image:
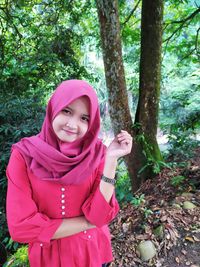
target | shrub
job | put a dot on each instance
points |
(19, 258)
(19, 117)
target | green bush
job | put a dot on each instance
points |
(123, 188)
(19, 258)
(123, 185)
(19, 117)
(182, 143)
(180, 111)
(177, 180)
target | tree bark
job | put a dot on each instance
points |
(149, 84)
(115, 79)
(117, 93)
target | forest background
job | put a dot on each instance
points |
(45, 42)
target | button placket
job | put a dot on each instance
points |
(63, 201)
(88, 236)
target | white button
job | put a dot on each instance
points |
(41, 245)
(63, 212)
(62, 195)
(63, 207)
(62, 201)
(85, 232)
(89, 236)
(63, 189)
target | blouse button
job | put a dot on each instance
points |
(89, 236)
(41, 244)
(62, 201)
(85, 232)
(62, 189)
(62, 195)
(63, 212)
(63, 207)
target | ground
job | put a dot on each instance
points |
(161, 207)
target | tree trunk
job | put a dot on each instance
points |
(117, 93)
(115, 79)
(149, 86)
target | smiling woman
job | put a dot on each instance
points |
(72, 122)
(58, 176)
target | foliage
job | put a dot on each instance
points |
(180, 110)
(37, 47)
(182, 144)
(181, 30)
(44, 42)
(19, 258)
(177, 180)
(123, 188)
(137, 200)
(155, 164)
(123, 185)
(180, 101)
(10, 244)
(19, 117)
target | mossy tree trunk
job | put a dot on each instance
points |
(149, 84)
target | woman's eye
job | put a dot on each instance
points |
(67, 111)
(85, 119)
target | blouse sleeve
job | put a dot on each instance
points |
(25, 223)
(96, 209)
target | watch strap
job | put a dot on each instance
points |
(108, 180)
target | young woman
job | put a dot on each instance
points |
(60, 194)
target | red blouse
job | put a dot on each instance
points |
(35, 209)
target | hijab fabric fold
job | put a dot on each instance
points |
(65, 162)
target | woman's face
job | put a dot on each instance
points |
(72, 122)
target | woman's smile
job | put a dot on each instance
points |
(69, 132)
(72, 122)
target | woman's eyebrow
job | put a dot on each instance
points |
(86, 115)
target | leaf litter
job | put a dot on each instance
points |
(177, 238)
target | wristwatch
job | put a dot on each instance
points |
(108, 180)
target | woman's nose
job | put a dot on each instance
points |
(72, 123)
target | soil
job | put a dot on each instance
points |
(161, 205)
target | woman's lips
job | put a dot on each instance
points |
(69, 132)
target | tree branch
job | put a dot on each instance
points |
(182, 22)
(191, 16)
(132, 12)
(9, 20)
(194, 49)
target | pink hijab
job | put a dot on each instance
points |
(67, 163)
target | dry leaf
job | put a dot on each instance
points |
(126, 227)
(189, 238)
(195, 238)
(177, 260)
(183, 251)
(163, 218)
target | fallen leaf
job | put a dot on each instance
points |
(126, 227)
(177, 259)
(189, 238)
(163, 218)
(195, 238)
(183, 251)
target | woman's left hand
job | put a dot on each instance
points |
(120, 146)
